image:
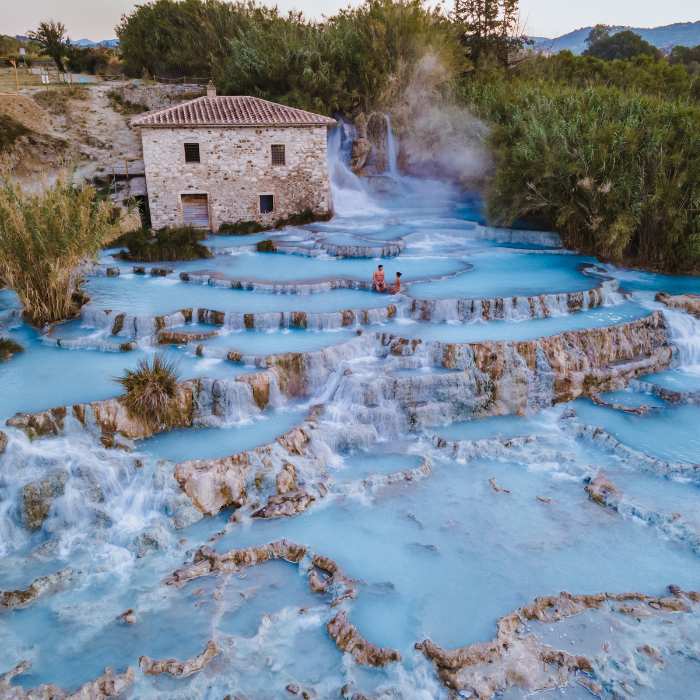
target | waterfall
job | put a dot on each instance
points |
(391, 150)
(685, 335)
(350, 195)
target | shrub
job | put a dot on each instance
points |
(124, 106)
(167, 245)
(57, 100)
(44, 238)
(10, 131)
(149, 390)
(301, 219)
(8, 348)
(242, 228)
(266, 246)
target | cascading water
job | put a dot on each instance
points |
(685, 334)
(350, 195)
(392, 153)
(371, 450)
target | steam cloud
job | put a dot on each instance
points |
(438, 137)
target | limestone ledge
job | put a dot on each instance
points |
(552, 369)
(324, 577)
(690, 303)
(672, 525)
(108, 685)
(518, 659)
(435, 310)
(109, 416)
(292, 374)
(669, 395)
(515, 307)
(176, 668)
(639, 459)
(368, 248)
(43, 585)
(315, 286)
(214, 484)
(310, 286)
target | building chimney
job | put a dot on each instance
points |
(211, 89)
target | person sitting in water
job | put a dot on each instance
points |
(396, 288)
(378, 284)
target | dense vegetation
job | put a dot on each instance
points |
(44, 238)
(351, 61)
(619, 45)
(166, 245)
(616, 172)
(602, 147)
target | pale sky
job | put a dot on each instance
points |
(95, 19)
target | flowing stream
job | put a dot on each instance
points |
(438, 455)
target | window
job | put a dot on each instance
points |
(191, 153)
(278, 154)
(267, 204)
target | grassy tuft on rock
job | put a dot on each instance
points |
(8, 348)
(166, 245)
(150, 389)
(266, 246)
(10, 131)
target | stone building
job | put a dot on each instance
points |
(216, 160)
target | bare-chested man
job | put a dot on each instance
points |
(378, 284)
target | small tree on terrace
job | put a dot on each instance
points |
(51, 36)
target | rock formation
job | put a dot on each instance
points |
(108, 685)
(690, 303)
(602, 491)
(517, 658)
(38, 496)
(179, 669)
(348, 639)
(43, 585)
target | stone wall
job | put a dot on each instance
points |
(235, 169)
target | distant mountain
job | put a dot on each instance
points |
(88, 43)
(664, 38)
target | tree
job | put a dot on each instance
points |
(598, 33)
(51, 37)
(622, 45)
(489, 28)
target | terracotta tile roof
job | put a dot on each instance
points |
(230, 111)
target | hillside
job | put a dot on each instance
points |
(664, 38)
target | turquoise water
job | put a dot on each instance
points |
(213, 443)
(511, 274)
(162, 295)
(494, 518)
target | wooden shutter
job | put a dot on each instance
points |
(195, 210)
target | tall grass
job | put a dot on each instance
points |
(150, 389)
(617, 173)
(44, 238)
